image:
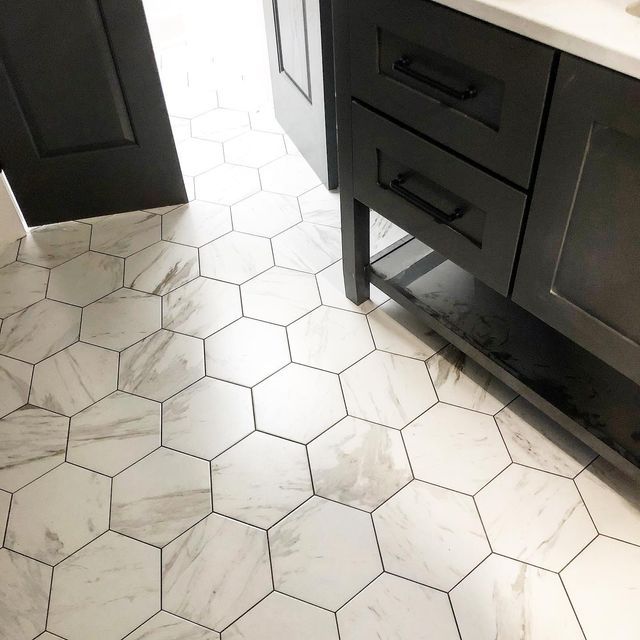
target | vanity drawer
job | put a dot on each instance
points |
(471, 86)
(458, 210)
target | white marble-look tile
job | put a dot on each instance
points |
(86, 278)
(504, 598)
(123, 234)
(245, 94)
(40, 330)
(536, 441)
(535, 517)
(431, 535)
(330, 339)
(160, 497)
(5, 501)
(265, 214)
(389, 389)
(278, 616)
(307, 247)
(180, 127)
(246, 351)
(227, 184)
(395, 330)
(8, 252)
(189, 187)
(298, 403)
(321, 206)
(113, 433)
(290, 175)
(196, 223)
(207, 418)
(280, 295)
(58, 513)
(324, 553)
(236, 257)
(215, 572)
(105, 590)
(32, 441)
(260, 480)
(254, 148)
(121, 319)
(201, 307)
(197, 156)
(15, 379)
(461, 381)
(160, 211)
(74, 378)
(164, 626)
(20, 286)
(455, 448)
(24, 596)
(161, 365)
(161, 267)
(383, 233)
(613, 500)
(264, 119)
(396, 609)
(189, 102)
(51, 245)
(220, 125)
(359, 463)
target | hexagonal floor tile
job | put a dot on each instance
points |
(207, 418)
(120, 319)
(383, 233)
(431, 535)
(290, 175)
(389, 389)
(359, 463)
(196, 223)
(164, 626)
(220, 125)
(236, 257)
(264, 119)
(5, 501)
(161, 267)
(246, 488)
(461, 381)
(324, 553)
(161, 365)
(536, 441)
(455, 448)
(113, 433)
(520, 496)
(86, 278)
(280, 295)
(189, 102)
(197, 156)
(254, 148)
(265, 214)
(330, 339)
(74, 378)
(392, 607)
(298, 403)
(32, 441)
(307, 247)
(54, 244)
(321, 206)
(215, 572)
(227, 184)
(8, 252)
(105, 590)
(57, 514)
(123, 234)
(20, 286)
(279, 616)
(246, 351)
(503, 598)
(160, 497)
(201, 307)
(15, 379)
(40, 330)
(24, 595)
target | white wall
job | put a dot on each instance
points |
(11, 223)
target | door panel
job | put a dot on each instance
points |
(301, 62)
(84, 125)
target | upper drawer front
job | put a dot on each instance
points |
(458, 210)
(471, 86)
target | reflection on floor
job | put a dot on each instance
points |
(199, 435)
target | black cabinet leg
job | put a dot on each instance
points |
(355, 248)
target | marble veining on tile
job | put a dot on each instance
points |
(196, 223)
(165, 626)
(20, 286)
(123, 234)
(307, 247)
(52, 245)
(15, 379)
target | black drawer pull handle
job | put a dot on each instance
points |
(403, 65)
(440, 216)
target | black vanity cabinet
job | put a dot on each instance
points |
(579, 270)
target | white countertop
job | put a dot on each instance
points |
(598, 30)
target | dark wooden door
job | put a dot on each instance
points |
(83, 124)
(579, 269)
(301, 60)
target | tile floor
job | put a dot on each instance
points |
(201, 438)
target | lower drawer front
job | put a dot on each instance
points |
(458, 210)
